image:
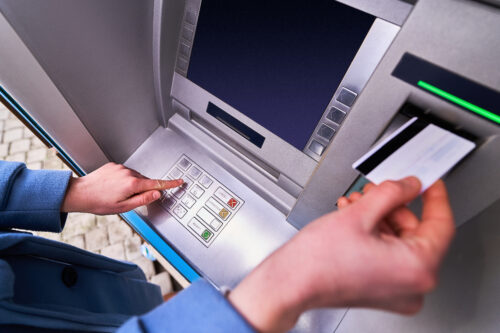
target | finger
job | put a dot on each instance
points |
(355, 196)
(403, 221)
(385, 198)
(146, 184)
(343, 202)
(141, 199)
(368, 187)
(437, 224)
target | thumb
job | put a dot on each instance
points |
(381, 200)
(141, 199)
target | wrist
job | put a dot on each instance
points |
(73, 200)
(270, 298)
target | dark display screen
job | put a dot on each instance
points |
(277, 62)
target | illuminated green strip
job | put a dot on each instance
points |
(469, 106)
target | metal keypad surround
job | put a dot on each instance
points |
(203, 205)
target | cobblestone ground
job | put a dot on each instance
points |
(107, 235)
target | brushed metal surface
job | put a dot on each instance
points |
(394, 11)
(253, 233)
(24, 79)
(376, 43)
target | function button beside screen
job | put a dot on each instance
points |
(184, 164)
(188, 34)
(188, 201)
(346, 97)
(227, 198)
(194, 172)
(326, 132)
(197, 191)
(218, 209)
(179, 211)
(175, 174)
(316, 147)
(336, 115)
(191, 17)
(205, 181)
(200, 229)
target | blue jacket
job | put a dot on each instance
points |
(48, 286)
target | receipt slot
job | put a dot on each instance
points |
(264, 124)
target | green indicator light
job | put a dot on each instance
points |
(469, 106)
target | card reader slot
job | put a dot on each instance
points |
(410, 110)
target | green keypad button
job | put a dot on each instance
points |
(206, 234)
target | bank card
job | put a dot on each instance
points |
(417, 148)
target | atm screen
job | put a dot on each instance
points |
(277, 62)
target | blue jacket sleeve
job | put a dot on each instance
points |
(199, 308)
(31, 199)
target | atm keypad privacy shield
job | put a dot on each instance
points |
(202, 204)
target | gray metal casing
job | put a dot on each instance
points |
(109, 88)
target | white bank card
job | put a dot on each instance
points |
(418, 149)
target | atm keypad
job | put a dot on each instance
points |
(202, 204)
(197, 191)
(205, 181)
(194, 172)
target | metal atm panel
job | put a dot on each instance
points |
(151, 102)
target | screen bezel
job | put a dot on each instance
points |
(275, 153)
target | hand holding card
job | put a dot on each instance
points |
(418, 149)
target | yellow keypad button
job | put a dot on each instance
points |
(224, 213)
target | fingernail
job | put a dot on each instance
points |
(156, 195)
(412, 181)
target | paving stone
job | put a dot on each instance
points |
(2, 125)
(78, 241)
(146, 265)
(118, 231)
(36, 155)
(19, 146)
(133, 247)
(4, 113)
(104, 220)
(12, 135)
(115, 251)
(4, 149)
(96, 239)
(27, 133)
(34, 165)
(164, 281)
(37, 143)
(19, 157)
(13, 122)
(53, 164)
(77, 224)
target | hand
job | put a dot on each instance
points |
(113, 189)
(346, 259)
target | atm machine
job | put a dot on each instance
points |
(262, 107)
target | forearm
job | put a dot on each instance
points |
(31, 199)
(199, 308)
